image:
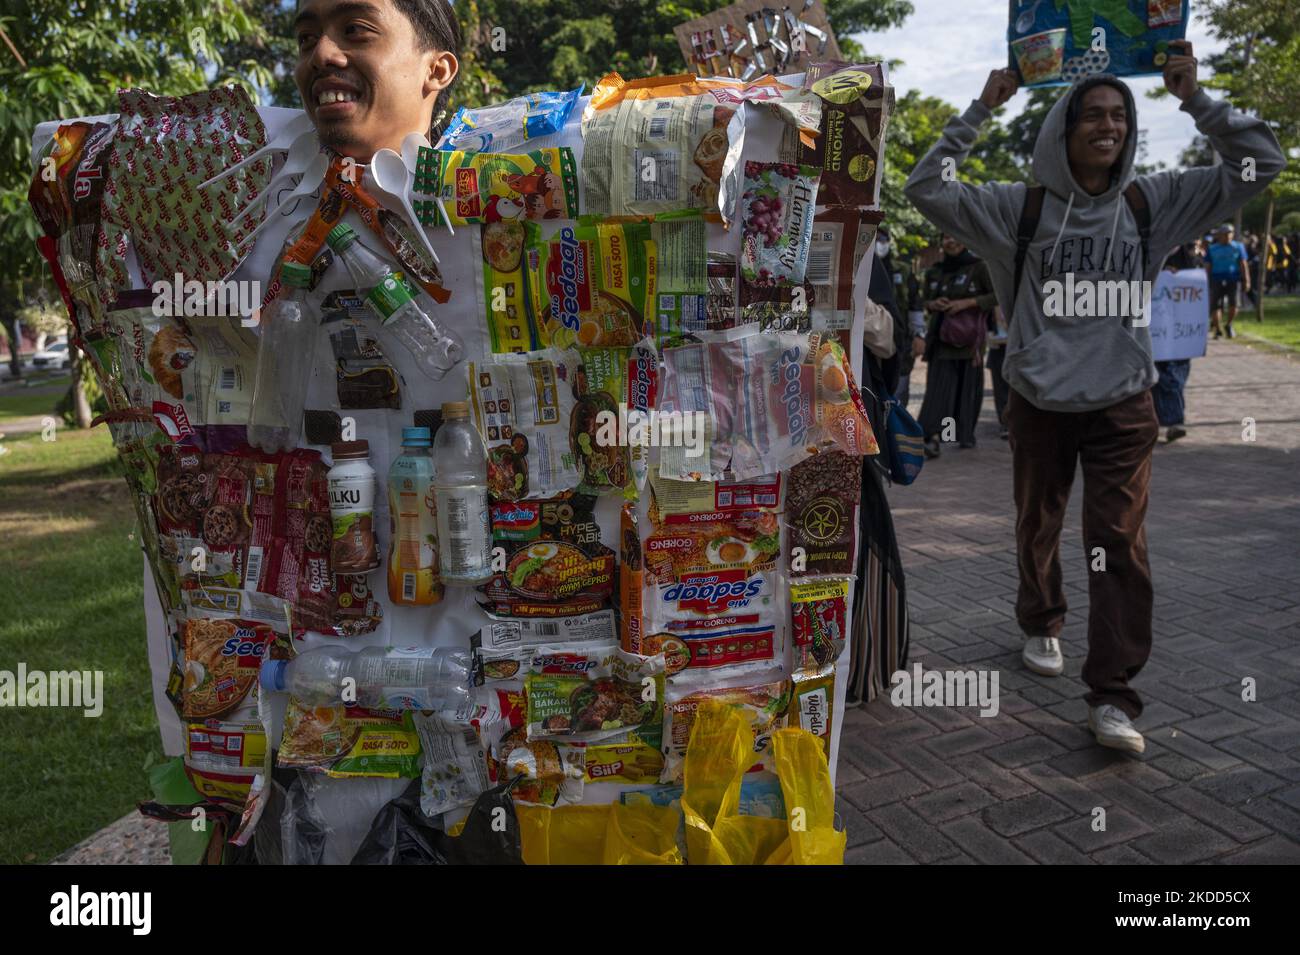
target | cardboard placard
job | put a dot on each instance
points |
(724, 42)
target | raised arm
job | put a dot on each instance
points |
(1186, 203)
(983, 218)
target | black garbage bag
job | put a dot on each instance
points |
(403, 835)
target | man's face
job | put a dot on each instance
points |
(1223, 236)
(1097, 140)
(363, 78)
(951, 246)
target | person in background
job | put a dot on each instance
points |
(954, 379)
(1081, 390)
(909, 301)
(997, 351)
(1252, 261)
(1167, 392)
(1293, 268)
(1226, 264)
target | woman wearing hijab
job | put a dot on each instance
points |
(954, 380)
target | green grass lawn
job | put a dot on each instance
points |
(71, 566)
(22, 402)
(1281, 323)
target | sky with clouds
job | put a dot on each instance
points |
(949, 46)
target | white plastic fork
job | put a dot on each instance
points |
(312, 177)
(286, 139)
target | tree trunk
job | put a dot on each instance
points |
(80, 404)
(1263, 259)
(10, 322)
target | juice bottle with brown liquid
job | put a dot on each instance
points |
(413, 565)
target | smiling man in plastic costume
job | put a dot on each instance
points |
(1081, 383)
(372, 71)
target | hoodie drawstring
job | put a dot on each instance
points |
(1114, 225)
(1061, 231)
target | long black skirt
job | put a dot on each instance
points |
(954, 388)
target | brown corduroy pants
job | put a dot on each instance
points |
(1114, 446)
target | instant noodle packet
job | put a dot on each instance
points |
(505, 297)
(765, 704)
(599, 388)
(593, 285)
(496, 187)
(552, 771)
(225, 722)
(594, 695)
(523, 406)
(342, 741)
(555, 564)
(768, 401)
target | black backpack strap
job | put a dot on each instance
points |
(1137, 203)
(1030, 213)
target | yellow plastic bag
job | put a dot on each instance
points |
(599, 835)
(721, 749)
(805, 777)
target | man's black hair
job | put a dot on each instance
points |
(436, 28)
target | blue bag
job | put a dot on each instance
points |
(906, 443)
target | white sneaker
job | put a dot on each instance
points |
(1043, 656)
(1113, 728)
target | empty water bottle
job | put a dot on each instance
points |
(285, 356)
(383, 678)
(435, 349)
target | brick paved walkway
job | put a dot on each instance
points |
(1220, 780)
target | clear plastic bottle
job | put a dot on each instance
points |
(460, 486)
(284, 362)
(413, 571)
(435, 349)
(385, 678)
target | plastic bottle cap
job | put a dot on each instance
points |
(416, 437)
(296, 274)
(271, 675)
(348, 450)
(340, 237)
(455, 409)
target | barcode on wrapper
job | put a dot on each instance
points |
(227, 379)
(408, 586)
(819, 265)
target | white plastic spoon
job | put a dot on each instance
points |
(311, 179)
(286, 139)
(1026, 19)
(393, 180)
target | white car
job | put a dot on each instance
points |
(53, 356)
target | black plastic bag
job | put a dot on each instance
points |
(403, 835)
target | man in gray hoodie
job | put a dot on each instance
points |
(1078, 354)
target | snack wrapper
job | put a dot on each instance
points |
(856, 104)
(659, 145)
(164, 147)
(509, 125)
(819, 611)
(812, 704)
(821, 513)
(523, 405)
(496, 187)
(552, 771)
(776, 222)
